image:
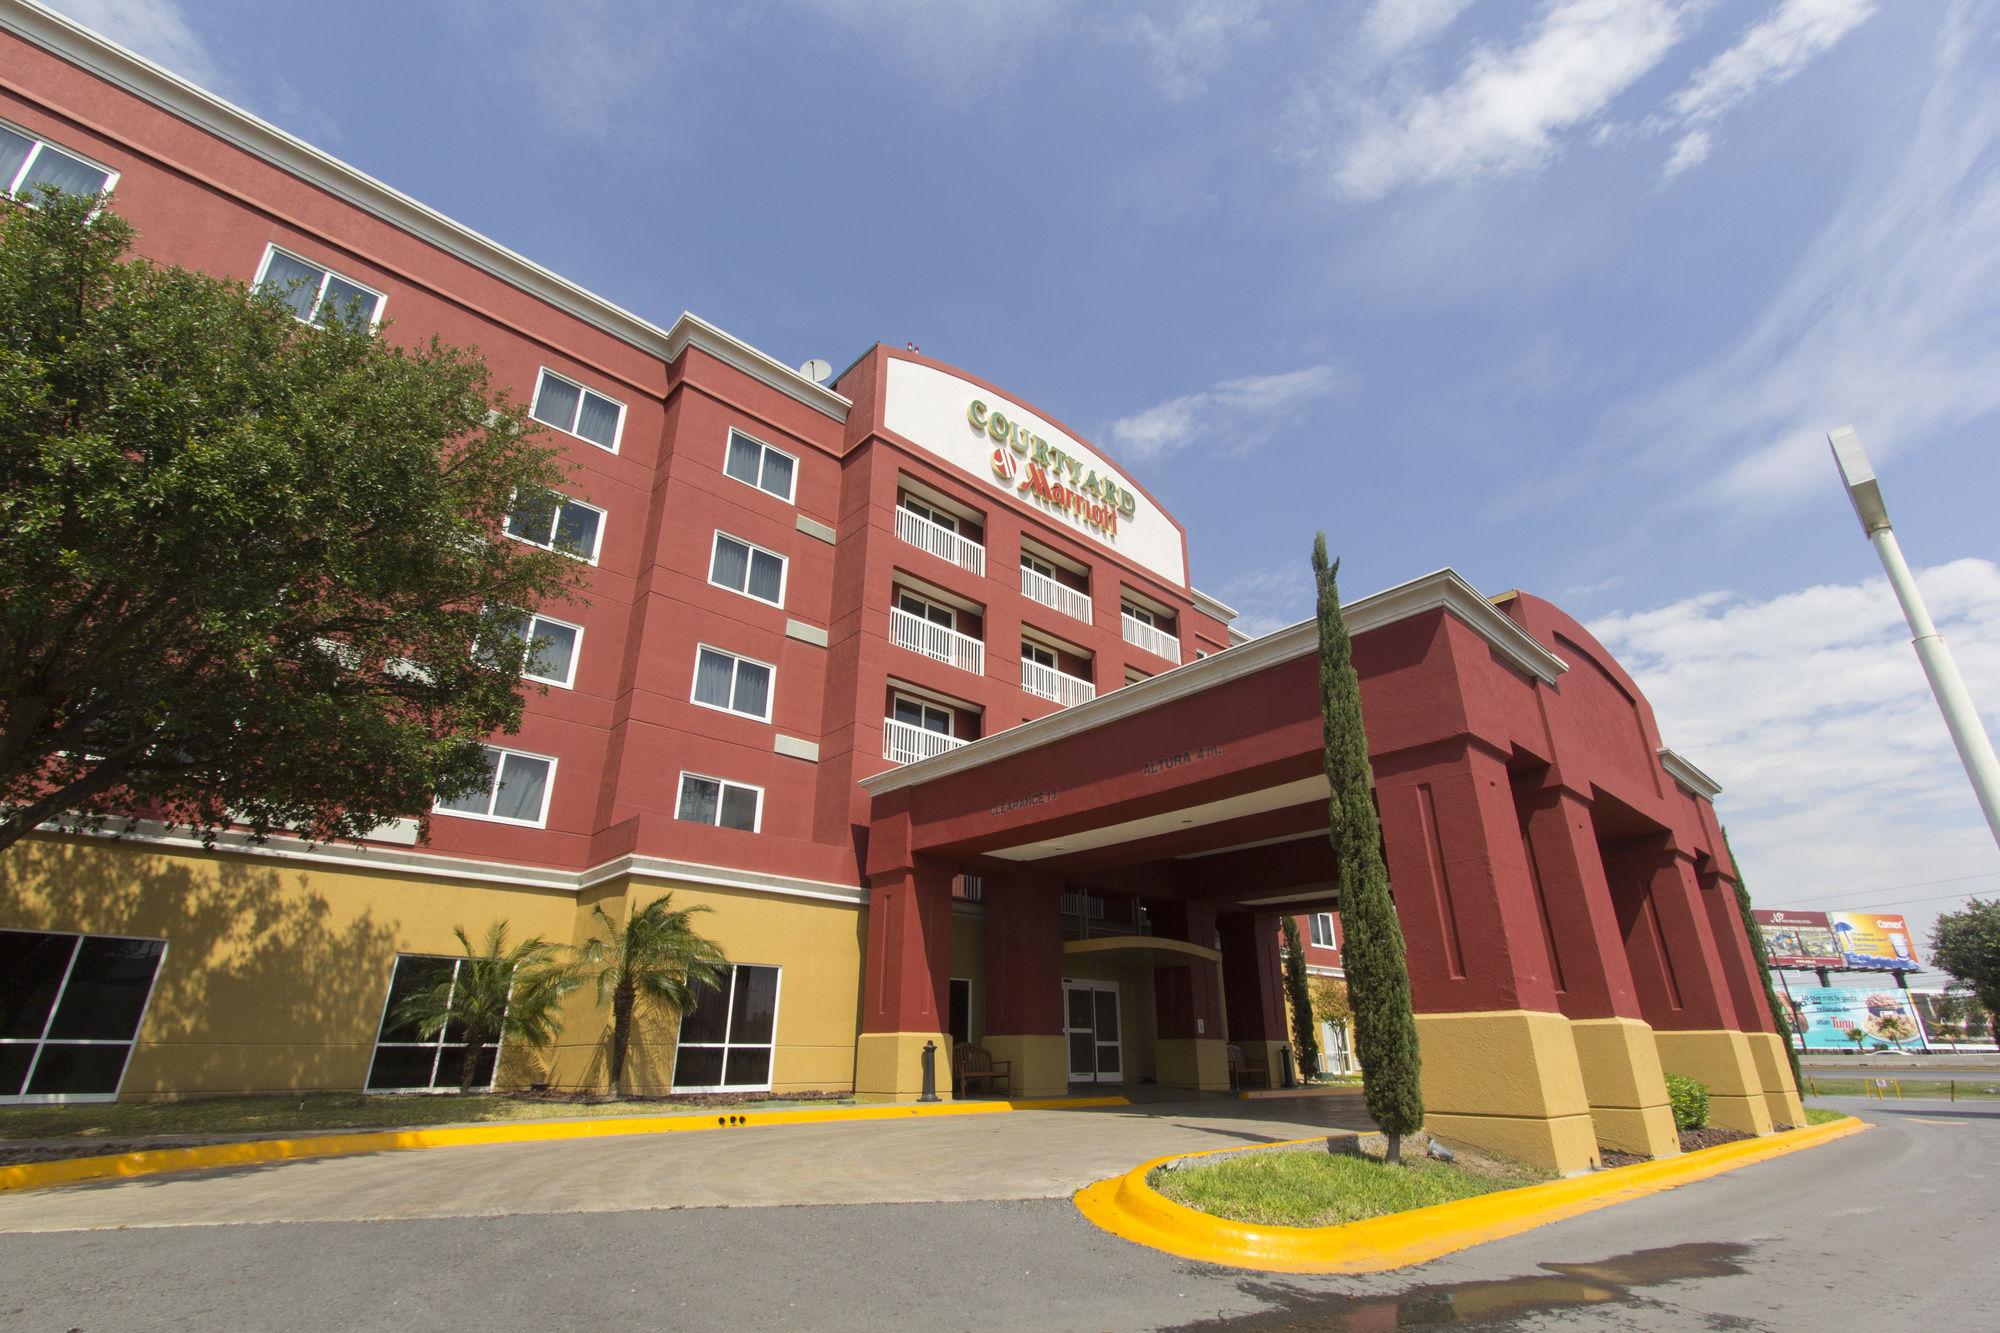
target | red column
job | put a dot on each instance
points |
(1732, 944)
(1253, 978)
(909, 949)
(1023, 957)
(1592, 975)
(1676, 967)
(1464, 894)
(1187, 1001)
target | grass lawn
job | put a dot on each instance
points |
(1319, 1189)
(1983, 1085)
(1824, 1115)
(309, 1113)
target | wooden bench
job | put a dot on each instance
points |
(1241, 1068)
(975, 1064)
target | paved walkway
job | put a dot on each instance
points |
(1016, 1155)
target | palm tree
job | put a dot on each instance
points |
(499, 994)
(657, 956)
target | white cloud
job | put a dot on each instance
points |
(1811, 709)
(1233, 417)
(1398, 25)
(1768, 53)
(961, 50)
(1270, 599)
(1185, 47)
(157, 29)
(1505, 113)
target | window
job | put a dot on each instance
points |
(733, 684)
(917, 713)
(404, 1060)
(27, 164)
(1322, 930)
(960, 1024)
(516, 790)
(1142, 615)
(316, 294)
(557, 523)
(552, 643)
(925, 609)
(581, 412)
(750, 570)
(757, 464)
(70, 1007)
(727, 1035)
(1034, 566)
(723, 804)
(945, 520)
(1034, 652)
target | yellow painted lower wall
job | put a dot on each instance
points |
(276, 973)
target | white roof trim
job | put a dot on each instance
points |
(1213, 606)
(170, 92)
(1444, 589)
(1690, 777)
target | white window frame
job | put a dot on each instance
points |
(680, 792)
(729, 443)
(1035, 564)
(770, 695)
(42, 1042)
(548, 793)
(575, 656)
(37, 143)
(924, 705)
(924, 509)
(1144, 615)
(326, 274)
(436, 1047)
(930, 602)
(1034, 652)
(555, 522)
(617, 431)
(726, 1045)
(784, 569)
(1332, 940)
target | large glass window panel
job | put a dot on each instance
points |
(767, 575)
(71, 175)
(700, 799)
(107, 990)
(778, 474)
(698, 1067)
(755, 1005)
(413, 975)
(78, 1071)
(347, 301)
(598, 421)
(14, 150)
(556, 402)
(739, 808)
(708, 1020)
(294, 280)
(31, 972)
(753, 688)
(524, 783)
(15, 1057)
(747, 1067)
(401, 1067)
(713, 674)
(576, 530)
(480, 799)
(731, 566)
(554, 653)
(745, 457)
(534, 517)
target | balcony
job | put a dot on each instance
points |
(1046, 682)
(936, 642)
(1056, 596)
(904, 743)
(1152, 639)
(940, 541)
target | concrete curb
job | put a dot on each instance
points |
(1130, 1209)
(40, 1175)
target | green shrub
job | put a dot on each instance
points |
(1690, 1101)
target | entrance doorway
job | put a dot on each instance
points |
(1090, 1023)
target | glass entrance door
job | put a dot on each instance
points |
(1090, 1024)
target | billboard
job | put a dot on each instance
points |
(1827, 1017)
(1798, 939)
(1874, 941)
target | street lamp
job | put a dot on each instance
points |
(1975, 749)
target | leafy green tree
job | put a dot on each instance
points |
(1779, 1013)
(244, 559)
(1298, 995)
(656, 957)
(1378, 976)
(1966, 943)
(501, 993)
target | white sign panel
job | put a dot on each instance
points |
(1006, 446)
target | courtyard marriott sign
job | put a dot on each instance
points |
(1040, 464)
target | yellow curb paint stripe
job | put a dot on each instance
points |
(37, 1175)
(1128, 1208)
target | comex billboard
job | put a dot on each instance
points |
(1842, 941)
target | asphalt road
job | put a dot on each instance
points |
(1888, 1229)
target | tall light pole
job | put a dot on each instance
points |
(1975, 749)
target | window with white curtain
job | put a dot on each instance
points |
(733, 684)
(724, 804)
(557, 523)
(552, 644)
(751, 570)
(516, 790)
(755, 463)
(315, 293)
(1322, 930)
(29, 163)
(571, 408)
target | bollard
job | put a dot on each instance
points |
(1954, 1089)
(930, 1072)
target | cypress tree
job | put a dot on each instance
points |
(1780, 1014)
(1305, 1033)
(1378, 978)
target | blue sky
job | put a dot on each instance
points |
(1565, 295)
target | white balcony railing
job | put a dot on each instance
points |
(940, 541)
(1037, 587)
(935, 641)
(1152, 639)
(1048, 683)
(905, 743)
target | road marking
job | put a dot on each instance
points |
(1922, 1121)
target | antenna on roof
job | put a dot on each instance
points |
(816, 370)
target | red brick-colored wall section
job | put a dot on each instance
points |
(1592, 973)
(1023, 956)
(1187, 1000)
(907, 979)
(1253, 977)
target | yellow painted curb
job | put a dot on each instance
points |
(37, 1175)
(1128, 1208)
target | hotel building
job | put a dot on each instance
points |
(908, 684)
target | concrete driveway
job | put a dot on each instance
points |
(1016, 1155)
